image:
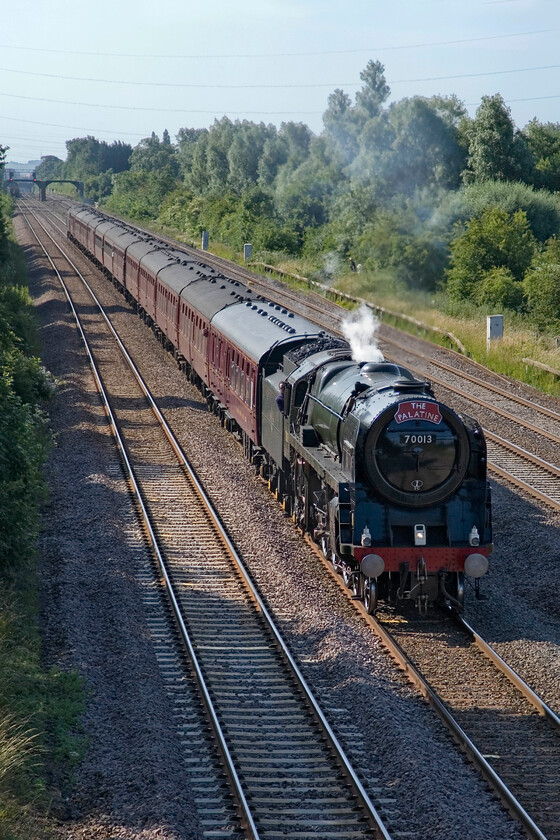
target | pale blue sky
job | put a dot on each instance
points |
(122, 69)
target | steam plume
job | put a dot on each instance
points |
(359, 330)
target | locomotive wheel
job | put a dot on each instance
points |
(347, 575)
(459, 587)
(356, 581)
(325, 546)
(370, 595)
(335, 561)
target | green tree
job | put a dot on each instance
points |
(274, 156)
(244, 154)
(83, 158)
(496, 239)
(541, 207)
(50, 167)
(376, 91)
(115, 156)
(187, 140)
(496, 151)
(425, 149)
(341, 127)
(196, 178)
(140, 195)
(389, 242)
(542, 287)
(499, 289)
(99, 187)
(23, 434)
(153, 155)
(543, 141)
(220, 139)
(87, 156)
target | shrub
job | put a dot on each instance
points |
(542, 288)
(499, 289)
(495, 240)
(541, 207)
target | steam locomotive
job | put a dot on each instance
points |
(387, 480)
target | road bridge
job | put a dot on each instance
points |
(43, 184)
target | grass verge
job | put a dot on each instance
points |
(39, 713)
(39, 707)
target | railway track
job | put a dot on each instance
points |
(533, 475)
(510, 785)
(506, 730)
(286, 770)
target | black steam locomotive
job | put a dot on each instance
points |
(389, 482)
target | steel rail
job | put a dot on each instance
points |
(461, 738)
(543, 465)
(542, 708)
(507, 798)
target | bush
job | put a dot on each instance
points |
(499, 289)
(541, 207)
(416, 260)
(542, 288)
(495, 240)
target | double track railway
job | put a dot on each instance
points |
(512, 740)
(286, 769)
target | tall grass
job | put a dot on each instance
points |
(468, 323)
(18, 746)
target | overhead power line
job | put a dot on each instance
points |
(159, 110)
(72, 127)
(424, 45)
(276, 86)
(213, 111)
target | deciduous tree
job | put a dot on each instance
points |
(496, 239)
(496, 151)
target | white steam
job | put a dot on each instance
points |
(331, 266)
(359, 330)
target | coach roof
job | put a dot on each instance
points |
(257, 326)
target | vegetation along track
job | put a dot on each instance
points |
(528, 458)
(506, 730)
(287, 772)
